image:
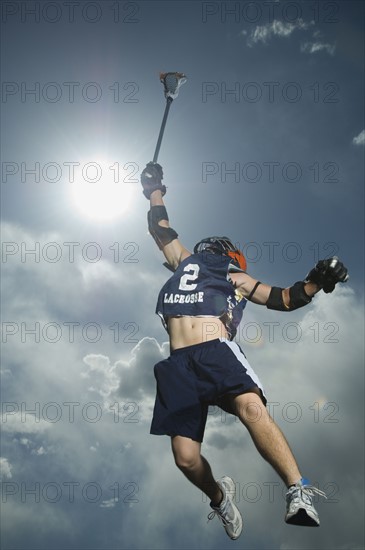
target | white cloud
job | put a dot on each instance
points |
(133, 379)
(360, 139)
(23, 422)
(5, 469)
(94, 448)
(263, 33)
(314, 47)
(33, 445)
(109, 503)
(100, 272)
(81, 283)
(40, 451)
(112, 452)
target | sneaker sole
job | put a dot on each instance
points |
(302, 518)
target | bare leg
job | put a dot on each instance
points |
(195, 467)
(267, 436)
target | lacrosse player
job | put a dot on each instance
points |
(201, 306)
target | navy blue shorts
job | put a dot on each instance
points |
(195, 377)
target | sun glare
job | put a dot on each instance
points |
(98, 192)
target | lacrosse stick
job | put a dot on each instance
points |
(171, 83)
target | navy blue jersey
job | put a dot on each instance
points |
(200, 287)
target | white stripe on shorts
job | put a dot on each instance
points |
(242, 359)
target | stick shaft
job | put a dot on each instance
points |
(162, 129)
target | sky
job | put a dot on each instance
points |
(264, 144)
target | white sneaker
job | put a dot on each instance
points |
(299, 506)
(227, 511)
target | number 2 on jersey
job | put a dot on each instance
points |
(191, 275)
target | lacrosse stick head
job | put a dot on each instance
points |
(171, 83)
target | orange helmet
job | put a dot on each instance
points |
(222, 245)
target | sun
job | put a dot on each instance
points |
(99, 192)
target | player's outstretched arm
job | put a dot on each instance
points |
(165, 237)
(325, 275)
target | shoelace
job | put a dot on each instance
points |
(307, 490)
(219, 513)
(212, 515)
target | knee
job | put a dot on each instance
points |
(250, 409)
(186, 459)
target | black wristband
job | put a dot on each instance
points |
(253, 290)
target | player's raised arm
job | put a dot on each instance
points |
(165, 237)
(325, 275)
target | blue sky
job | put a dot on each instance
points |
(265, 144)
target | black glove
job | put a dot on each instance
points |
(328, 273)
(151, 179)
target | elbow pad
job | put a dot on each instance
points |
(161, 235)
(298, 298)
(275, 299)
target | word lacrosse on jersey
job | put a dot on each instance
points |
(199, 287)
